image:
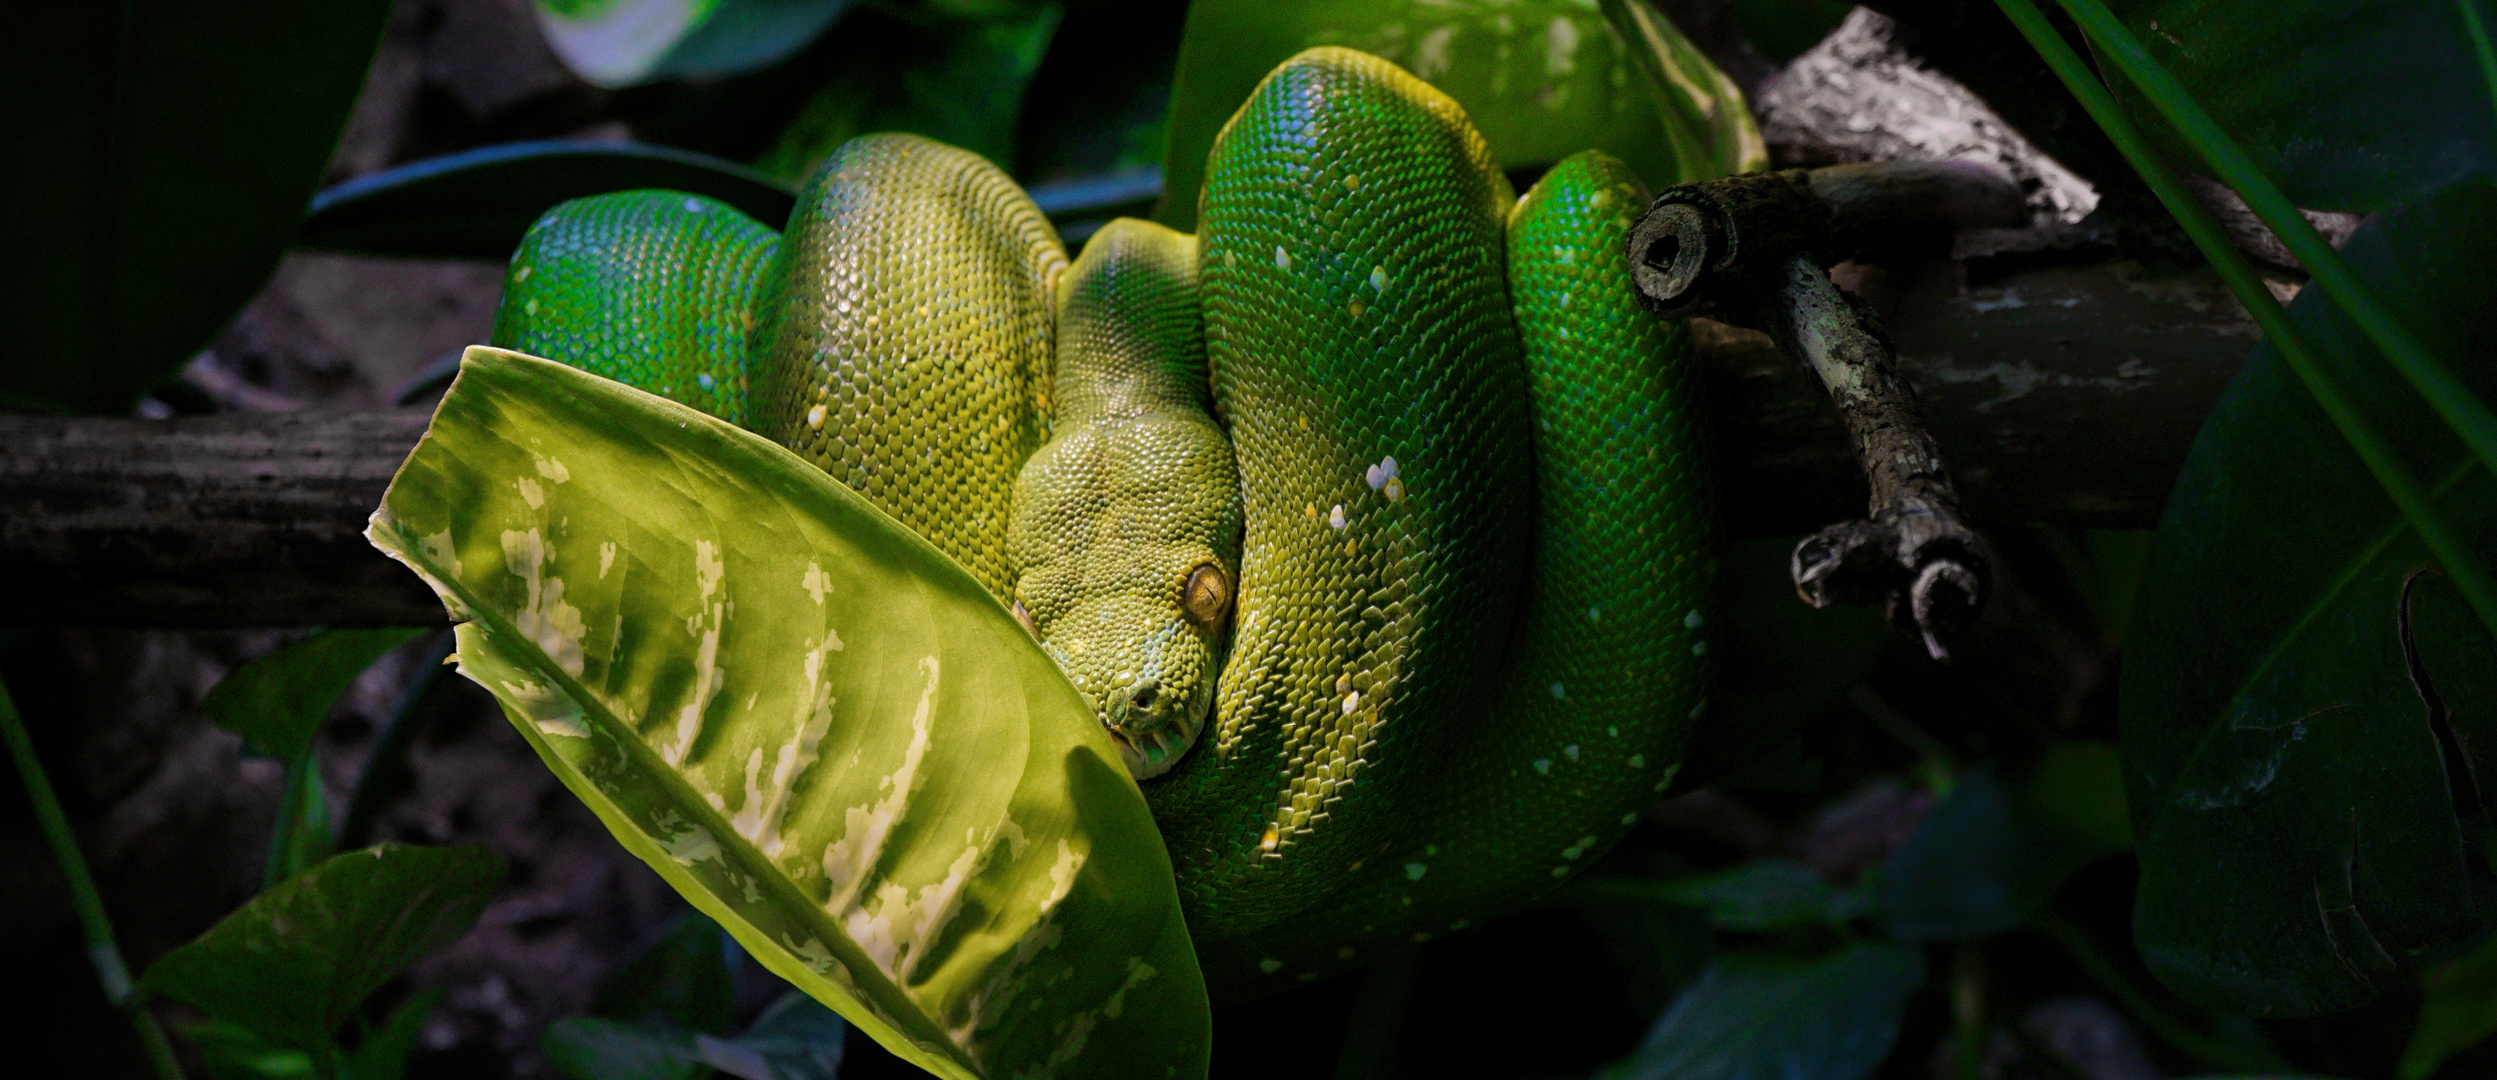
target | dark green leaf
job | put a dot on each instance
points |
(294, 963)
(1785, 29)
(1964, 873)
(1769, 894)
(1101, 100)
(684, 979)
(2074, 798)
(2355, 105)
(593, 1048)
(477, 204)
(1775, 1018)
(1656, 944)
(816, 727)
(1993, 852)
(2104, 567)
(157, 161)
(618, 43)
(955, 80)
(1783, 663)
(300, 837)
(277, 702)
(2460, 1011)
(795, 1039)
(1706, 121)
(384, 1052)
(2288, 669)
(1542, 79)
(234, 1052)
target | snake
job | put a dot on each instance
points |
(1373, 518)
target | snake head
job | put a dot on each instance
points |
(1146, 659)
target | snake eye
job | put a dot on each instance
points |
(1207, 595)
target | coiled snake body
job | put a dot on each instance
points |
(1373, 518)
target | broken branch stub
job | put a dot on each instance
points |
(1750, 250)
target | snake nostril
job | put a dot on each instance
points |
(1141, 695)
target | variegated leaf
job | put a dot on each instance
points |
(816, 727)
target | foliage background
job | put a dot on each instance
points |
(175, 813)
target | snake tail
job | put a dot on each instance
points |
(654, 289)
(1126, 528)
(904, 338)
(1604, 683)
(1358, 327)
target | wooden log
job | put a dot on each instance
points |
(2058, 393)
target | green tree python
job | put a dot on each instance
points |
(1373, 518)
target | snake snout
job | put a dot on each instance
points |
(1131, 707)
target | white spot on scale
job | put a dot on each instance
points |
(1559, 692)
(1378, 475)
(531, 492)
(1692, 620)
(1283, 259)
(1699, 648)
(815, 416)
(1378, 278)
(553, 470)
(1415, 870)
(693, 205)
(1335, 517)
(1594, 615)
(1543, 765)
(530, 308)
(1638, 761)
(705, 381)
(1352, 701)
(1570, 751)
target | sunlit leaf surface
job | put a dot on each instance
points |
(820, 730)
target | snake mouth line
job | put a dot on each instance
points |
(1151, 753)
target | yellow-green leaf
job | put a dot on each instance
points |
(1542, 79)
(817, 728)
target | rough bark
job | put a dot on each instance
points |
(2058, 393)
